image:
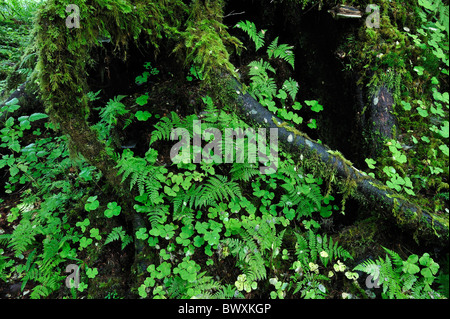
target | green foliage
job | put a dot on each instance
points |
(400, 279)
(140, 79)
(314, 247)
(117, 233)
(198, 216)
(206, 40)
(45, 236)
(256, 36)
(142, 172)
(263, 85)
(282, 51)
(309, 276)
(19, 9)
(113, 210)
(258, 244)
(109, 116)
(415, 161)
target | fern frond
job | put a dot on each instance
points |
(313, 250)
(40, 291)
(23, 236)
(117, 233)
(256, 269)
(141, 172)
(370, 267)
(164, 127)
(291, 86)
(396, 259)
(306, 198)
(260, 68)
(250, 29)
(282, 51)
(217, 189)
(244, 171)
(227, 292)
(301, 247)
(5, 238)
(263, 88)
(155, 213)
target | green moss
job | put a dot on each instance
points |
(361, 238)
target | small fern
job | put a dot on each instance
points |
(309, 247)
(291, 87)
(141, 172)
(304, 198)
(109, 116)
(258, 244)
(23, 236)
(262, 86)
(164, 127)
(400, 279)
(250, 259)
(250, 28)
(282, 51)
(227, 292)
(217, 189)
(117, 233)
(244, 171)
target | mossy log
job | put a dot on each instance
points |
(423, 225)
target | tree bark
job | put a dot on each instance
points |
(422, 224)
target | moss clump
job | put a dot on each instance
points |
(362, 238)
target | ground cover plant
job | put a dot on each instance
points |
(130, 170)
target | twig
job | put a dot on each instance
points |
(233, 14)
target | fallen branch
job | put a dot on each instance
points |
(407, 215)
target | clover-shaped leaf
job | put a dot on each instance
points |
(153, 241)
(84, 242)
(431, 267)
(198, 241)
(239, 285)
(315, 106)
(340, 266)
(112, 210)
(143, 115)
(142, 233)
(410, 265)
(91, 204)
(165, 269)
(95, 233)
(91, 272)
(370, 163)
(141, 100)
(351, 275)
(83, 224)
(313, 266)
(142, 291)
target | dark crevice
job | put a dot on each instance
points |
(319, 42)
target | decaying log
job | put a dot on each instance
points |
(423, 225)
